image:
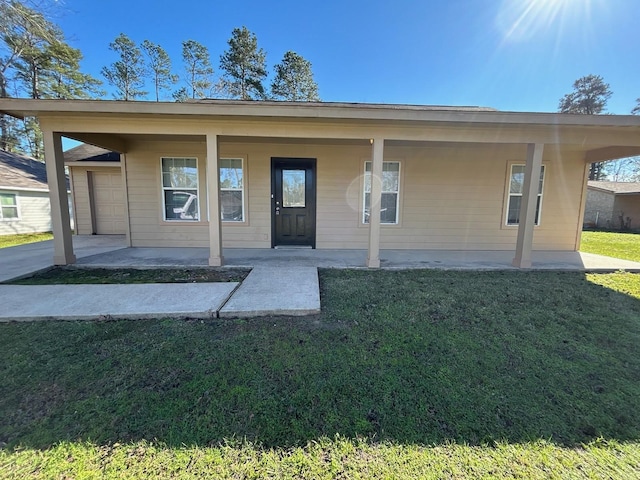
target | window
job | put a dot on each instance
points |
(293, 188)
(390, 192)
(231, 190)
(180, 189)
(516, 183)
(8, 206)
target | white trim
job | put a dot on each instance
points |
(397, 192)
(243, 189)
(163, 189)
(540, 195)
(25, 189)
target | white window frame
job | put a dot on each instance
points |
(244, 182)
(16, 206)
(364, 191)
(539, 198)
(178, 189)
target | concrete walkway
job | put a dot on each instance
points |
(282, 282)
(276, 291)
(100, 302)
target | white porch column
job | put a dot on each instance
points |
(532, 169)
(60, 224)
(213, 199)
(373, 257)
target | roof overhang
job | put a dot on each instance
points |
(598, 137)
(21, 108)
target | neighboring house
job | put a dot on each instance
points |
(24, 195)
(96, 190)
(614, 205)
(241, 174)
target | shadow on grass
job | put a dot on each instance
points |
(416, 357)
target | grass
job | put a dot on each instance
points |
(13, 240)
(618, 245)
(405, 374)
(74, 275)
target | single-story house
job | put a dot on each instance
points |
(226, 173)
(96, 190)
(24, 195)
(614, 205)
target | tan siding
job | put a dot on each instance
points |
(111, 216)
(450, 198)
(81, 200)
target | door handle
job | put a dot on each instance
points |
(277, 210)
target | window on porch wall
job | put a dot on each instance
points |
(180, 189)
(516, 187)
(231, 189)
(390, 192)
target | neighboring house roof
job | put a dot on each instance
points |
(86, 152)
(618, 188)
(19, 172)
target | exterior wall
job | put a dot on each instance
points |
(34, 213)
(627, 206)
(145, 196)
(599, 209)
(82, 197)
(81, 202)
(451, 197)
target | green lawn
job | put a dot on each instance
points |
(618, 245)
(13, 240)
(405, 374)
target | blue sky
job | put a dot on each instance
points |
(516, 55)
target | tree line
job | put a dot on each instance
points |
(36, 61)
(243, 66)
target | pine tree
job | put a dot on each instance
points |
(244, 65)
(589, 97)
(294, 80)
(127, 75)
(36, 57)
(197, 64)
(159, 66)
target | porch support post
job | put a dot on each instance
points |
(213, 202)
(524, 244)
(373, 257)
(60, 221)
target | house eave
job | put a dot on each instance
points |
(308, 110)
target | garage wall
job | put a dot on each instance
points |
(105, 202)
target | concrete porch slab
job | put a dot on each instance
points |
(23, 260)
(96, 302)
(142, 257)
(275, 291)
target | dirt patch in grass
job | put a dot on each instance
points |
(75, 275)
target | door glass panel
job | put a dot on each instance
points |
(293, 188)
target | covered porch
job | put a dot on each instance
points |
(454, 171)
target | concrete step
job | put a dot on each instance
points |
(275, 291)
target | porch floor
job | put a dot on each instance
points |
(440, 259)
